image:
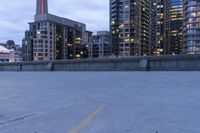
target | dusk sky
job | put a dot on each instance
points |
(15, 15)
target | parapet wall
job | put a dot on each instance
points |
(154, 63)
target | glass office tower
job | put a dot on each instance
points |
(191, 26)
(176, 26)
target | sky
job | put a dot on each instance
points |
(15, 15)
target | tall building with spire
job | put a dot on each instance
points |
(54, 38)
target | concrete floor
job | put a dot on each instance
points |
(94, 102)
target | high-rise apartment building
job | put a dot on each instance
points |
(130, 27)
(191, 39)
(160, 27)
(176, 26)
(53, 38)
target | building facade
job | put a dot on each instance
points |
(160, 27)
(176, 26)
(15, 51)
(53, 38)
(191, 34)
(27, 46)
(130, 27)
(101, 45)
(6, 55)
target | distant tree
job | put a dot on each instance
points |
(11, 44)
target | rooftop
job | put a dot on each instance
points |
(57, 19)
(93, 102)
(3, 49)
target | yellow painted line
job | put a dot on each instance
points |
(88, 119)
(6, 98)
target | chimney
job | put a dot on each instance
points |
(42, 7)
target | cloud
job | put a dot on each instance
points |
(15, 15)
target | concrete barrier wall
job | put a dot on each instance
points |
(156, 63)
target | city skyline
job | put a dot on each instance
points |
(14, 19)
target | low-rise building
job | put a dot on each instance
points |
(14, 49)
(101, 45)
(6, 55)
(18, 56)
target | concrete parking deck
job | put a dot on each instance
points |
(94, 102)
